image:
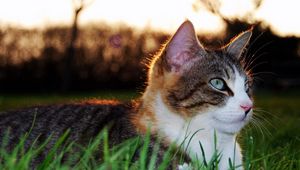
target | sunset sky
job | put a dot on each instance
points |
(281, 16)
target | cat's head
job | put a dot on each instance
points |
(193, 80)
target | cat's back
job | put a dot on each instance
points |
(83, 120)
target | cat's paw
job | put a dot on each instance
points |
(184, 166)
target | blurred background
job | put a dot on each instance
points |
(63, 46)
(56, 51)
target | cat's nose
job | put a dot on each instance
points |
(247, 107)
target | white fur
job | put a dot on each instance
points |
(225, 122)
(185, 166)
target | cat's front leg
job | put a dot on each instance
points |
(233, 155)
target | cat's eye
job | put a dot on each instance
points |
(219, 84)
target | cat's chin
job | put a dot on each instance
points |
(232, 127)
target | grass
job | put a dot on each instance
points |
(272, 141)
(15, 101)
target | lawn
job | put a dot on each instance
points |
(15, 101)
(272, 141)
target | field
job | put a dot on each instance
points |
(271, 141)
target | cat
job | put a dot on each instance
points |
(193, 93)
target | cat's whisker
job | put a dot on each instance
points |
(258, 79)
(263, 72)
(253, 60)
(253, 125)
(258, 64)
(259, 125)
(248, 62)
(256, 125)
(263, 113)
(266, 112)
(253, 42)
(264, 120)
(260, 48)
(253, 57)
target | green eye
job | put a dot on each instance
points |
(219, 84)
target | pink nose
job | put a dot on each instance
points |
(246, 107)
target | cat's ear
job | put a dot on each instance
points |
(181, 49)
(238, 44)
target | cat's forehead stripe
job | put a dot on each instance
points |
(227, 74)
